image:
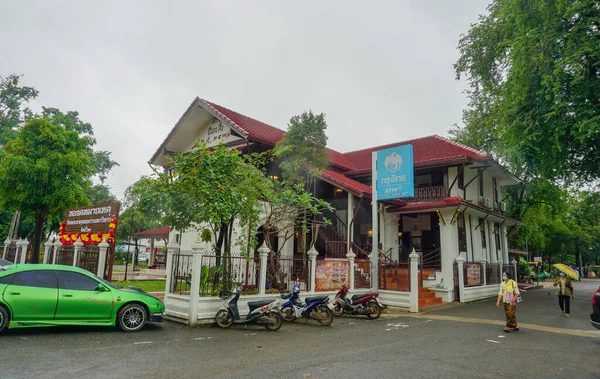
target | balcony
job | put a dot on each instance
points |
(427, 194)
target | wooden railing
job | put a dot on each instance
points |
(428, 194)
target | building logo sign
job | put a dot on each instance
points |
(395, 173)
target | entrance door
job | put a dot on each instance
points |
(32, 296)
(80, 299)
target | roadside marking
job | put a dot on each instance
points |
(201, 338)
(492, 341)
(140, 343)
(501, 336)
(522, 326)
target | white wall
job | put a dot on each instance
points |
(481, 292)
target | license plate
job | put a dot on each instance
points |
(330, 306)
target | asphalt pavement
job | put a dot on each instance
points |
(397, 346)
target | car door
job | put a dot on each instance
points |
(81, 297)
(32, 296)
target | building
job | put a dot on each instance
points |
(457, 208)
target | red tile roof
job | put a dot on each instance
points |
(162, 232)
(346, 183)
(427, 150)
(447, 202)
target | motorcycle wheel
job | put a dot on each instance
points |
(223, 319)
(375, 310)
(288, 314)
(274, 323)
(338, 310)
(326, 315)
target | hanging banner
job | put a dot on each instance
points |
(473, 274)
(395, 173)
(332, 274)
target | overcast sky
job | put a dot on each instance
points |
(381, 70)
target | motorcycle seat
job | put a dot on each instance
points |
(257, 304)
(360, 295)
(315, 298)
(286, 295)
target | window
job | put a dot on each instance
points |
(462, 235)
(495, 185)
(480, 179)
(497, 233)
(482, 228)
(8, 279)
(461, 179)
(75, 281)
(43, 279)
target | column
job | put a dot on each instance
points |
(7, 243)
(172, 248)
(24, 246)
(76, 249)
(312, 255)
(47, 249)
(414, 281)
(349, 234)
(103, 251)
(514, 263)
(468, 237)
(484, 274)
(351, 257)
(57, 246)
(448, 248)
(263, 252)
(504, 238)
(197, 253)
(461, 278)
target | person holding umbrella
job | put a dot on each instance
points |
(565, 290)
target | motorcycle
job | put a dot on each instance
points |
(367, 304)
(316, 307)
(265, 313)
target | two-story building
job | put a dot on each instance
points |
(457, 208)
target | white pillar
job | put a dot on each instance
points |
(57, 246)
(349, 236)
(505, 258)
(375, 227)
(263, 252)
(76, 249)
(24, 246)
(484, 275)
(7, 243)
(312, 254)
(351, 257)
(197, 253)
(414, 281)
(514, 263)
(171, 251)
(448, 248)
(47, 249)
(103, 251)
(461, 278)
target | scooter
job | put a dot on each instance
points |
(367, 304)
(316, 307)
(265, 313)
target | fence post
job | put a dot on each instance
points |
(373, 278)
(102, 251)
(57, 246)
(171, 250)
(76, 248)
(461, 278)
(351, 257)
(483, 263)
(263, 252)
(47, 248)
(514, 262)
(312, 254)
(7, 243)
(197, 253)
(24, 246)
(414, 281)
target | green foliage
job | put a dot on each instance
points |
(534, 71)
(13, 97)
(142, 203)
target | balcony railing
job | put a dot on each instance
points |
(428, 194)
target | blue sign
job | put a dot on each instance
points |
(395, 173)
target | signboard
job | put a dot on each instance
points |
(216, 132)
(537, 259)
(331, 274)
(473, 274)
(395, 173)
(90, 224)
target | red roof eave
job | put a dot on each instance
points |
(162, 232)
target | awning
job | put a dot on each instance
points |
(162, 232)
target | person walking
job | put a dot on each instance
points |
(509, 292)
(565, 292)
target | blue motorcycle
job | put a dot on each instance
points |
(316, 307)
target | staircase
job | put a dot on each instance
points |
(335, 240)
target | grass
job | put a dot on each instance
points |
(145, 285)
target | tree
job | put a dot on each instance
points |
(13, 98)
(45, 170)
(534, 73)
(143, 204)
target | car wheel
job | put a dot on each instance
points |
(3, 318)
(132, 318)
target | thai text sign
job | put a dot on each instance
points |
(473, 274)
(90, 224)
(395, 173)
(331, 274)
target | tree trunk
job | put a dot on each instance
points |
(38, 233)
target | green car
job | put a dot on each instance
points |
(34, 295)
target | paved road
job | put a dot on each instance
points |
(392, 347)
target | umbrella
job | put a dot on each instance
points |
(567, 270)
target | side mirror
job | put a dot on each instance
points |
(101, 288)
